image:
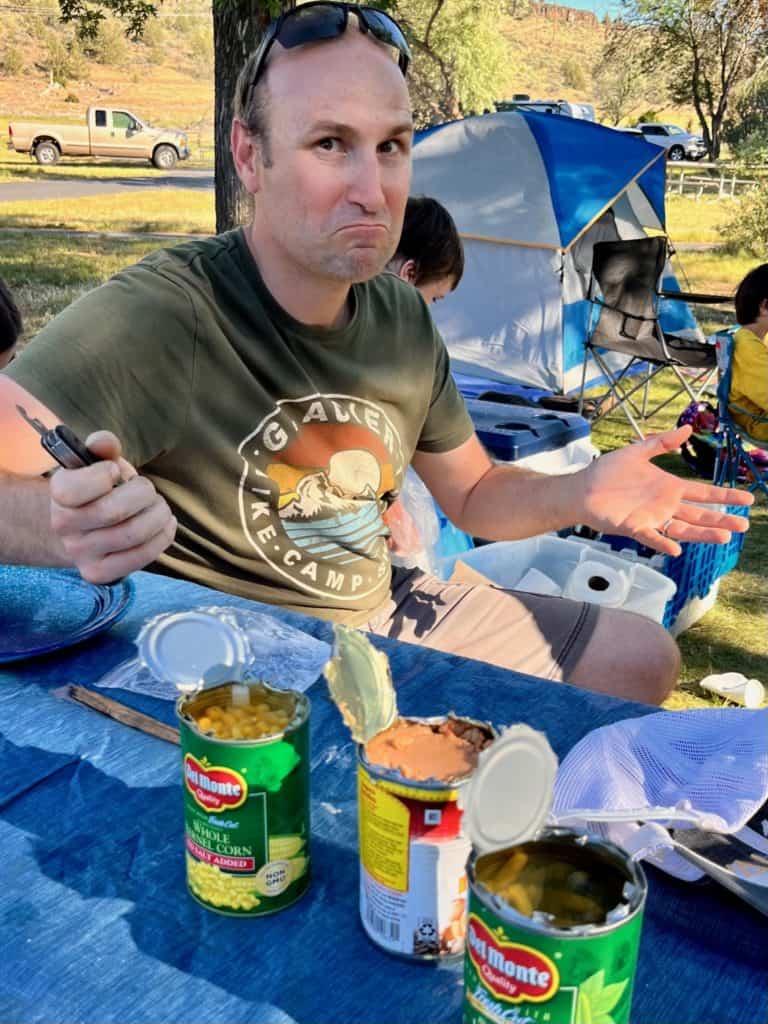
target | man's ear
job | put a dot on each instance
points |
(408, 271)
(246, 154)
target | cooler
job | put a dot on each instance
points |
(539, 439)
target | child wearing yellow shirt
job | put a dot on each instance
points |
(749, 376)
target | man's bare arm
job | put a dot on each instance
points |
(25, 523)
(83, 520)
(622, 492)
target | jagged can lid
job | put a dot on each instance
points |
(360, 684)
(509, 795)
(193, 650)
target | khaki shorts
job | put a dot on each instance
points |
(542, 636)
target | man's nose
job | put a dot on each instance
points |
(365, 186)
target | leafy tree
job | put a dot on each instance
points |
(108, 45)
(748, 228)
(57, 59)
(750, 117)
(621, 81)
(460, 61)
(705, 48)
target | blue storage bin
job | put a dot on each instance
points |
(450, 540)
(515, 432)
(478, 387)
(696, 569)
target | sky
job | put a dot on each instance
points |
(600, 7)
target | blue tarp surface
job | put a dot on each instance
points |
(96, 923)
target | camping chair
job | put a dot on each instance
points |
(732, 454)
(625, 296)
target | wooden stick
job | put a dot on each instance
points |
(120, 712)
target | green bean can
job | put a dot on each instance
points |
(245, 762)
(554, 916)
(529, 968)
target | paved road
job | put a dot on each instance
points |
(50, 187)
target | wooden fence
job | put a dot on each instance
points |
(711, 179)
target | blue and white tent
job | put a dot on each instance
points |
(531, 194)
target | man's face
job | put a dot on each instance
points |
(333, 198)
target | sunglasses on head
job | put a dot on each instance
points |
(313, 22)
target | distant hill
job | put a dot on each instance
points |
(548, 47)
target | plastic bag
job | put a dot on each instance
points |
(280, 654)
(414, 526)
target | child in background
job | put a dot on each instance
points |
(10, 325)
(430, 255)
(749, 372)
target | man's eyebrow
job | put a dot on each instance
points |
(339, 128)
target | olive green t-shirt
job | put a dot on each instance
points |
(277, 445)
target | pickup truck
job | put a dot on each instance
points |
(107, 131)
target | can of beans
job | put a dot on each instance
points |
(413, 851)
(554, 920)
(245, 768)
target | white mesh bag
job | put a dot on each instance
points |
(633, 780)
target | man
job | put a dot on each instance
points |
(272, 387)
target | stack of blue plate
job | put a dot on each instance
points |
(44, 610)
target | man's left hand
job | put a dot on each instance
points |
(624, 493)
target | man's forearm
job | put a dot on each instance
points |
(25, 532)
(509, 503)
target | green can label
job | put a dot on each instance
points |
(246, 810)
(524, 976)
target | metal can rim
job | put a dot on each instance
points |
(585, 839)
(301, 714)
(396, 778)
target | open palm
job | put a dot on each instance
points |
(625, 493)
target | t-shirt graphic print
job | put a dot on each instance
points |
(319, 472)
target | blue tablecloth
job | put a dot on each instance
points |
(96, 923)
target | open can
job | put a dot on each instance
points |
(554, 916)
(413, 850)
(245, 764)
(413, 855)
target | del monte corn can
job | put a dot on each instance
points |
(554, 916)
(245, 751)
(245, 767)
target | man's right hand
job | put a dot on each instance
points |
(106, 531)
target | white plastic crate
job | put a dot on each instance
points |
(572, 565)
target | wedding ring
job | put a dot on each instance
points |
(665, 526)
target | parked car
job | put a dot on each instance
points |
(679, 145)
(107, 132)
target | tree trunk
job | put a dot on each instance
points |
(237, 28)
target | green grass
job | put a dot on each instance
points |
(697, 220)
(48, 271)
(161, 209)
(21, 167)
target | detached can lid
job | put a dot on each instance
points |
(193, 650)
(360, 684)
(509, 795)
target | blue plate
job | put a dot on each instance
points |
(44, 610)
